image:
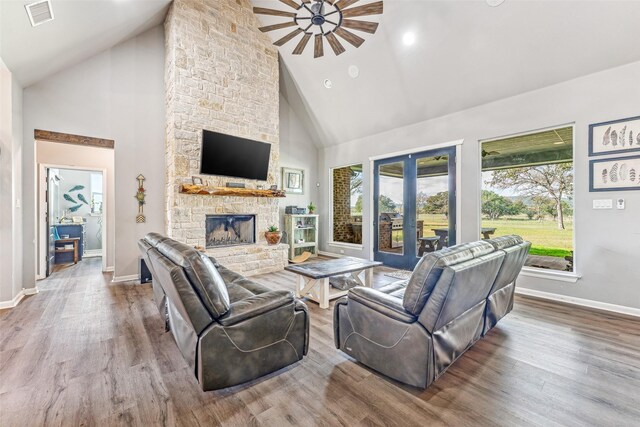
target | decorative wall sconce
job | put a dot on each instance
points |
(140, 197)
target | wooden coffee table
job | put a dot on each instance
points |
(313, 277)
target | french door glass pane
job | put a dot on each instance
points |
(432, 203)
(390, 208)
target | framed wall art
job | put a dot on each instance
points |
(616, 174)
(293, 181)
(618, 136)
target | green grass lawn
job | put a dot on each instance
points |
(544, 235)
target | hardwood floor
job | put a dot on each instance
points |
(85, 351)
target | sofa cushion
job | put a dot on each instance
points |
(154, 239)
(228, 275)
(429, 269)
(237, 292)
(395, 289)
(505, 241)
(202, 274)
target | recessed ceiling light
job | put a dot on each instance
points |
(39, 12)
(494, 3)
(328, 84)
(354, 72)
(409, 38)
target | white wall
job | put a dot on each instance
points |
(117, 94)
(607, 242)
(10, 186)
(297, 151)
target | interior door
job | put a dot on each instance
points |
(414, 206)
(51, 246)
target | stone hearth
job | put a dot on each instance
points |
(221, 74)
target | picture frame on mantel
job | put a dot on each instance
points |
(614, 174)
(614, 137)
(293, 181)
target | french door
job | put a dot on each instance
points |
(414, 206)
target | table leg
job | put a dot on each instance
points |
(368, 277)
(75, 251)
(422, 248)
(324, 293)
(300, 285)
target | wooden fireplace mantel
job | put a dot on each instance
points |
(227, 191)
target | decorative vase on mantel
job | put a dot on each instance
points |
(273, 235)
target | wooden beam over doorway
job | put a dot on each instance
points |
(67, 138)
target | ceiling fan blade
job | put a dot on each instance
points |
(302, 44)
(306, 1)
(343, 4)
(288, 37)
(318, 48)
(349, 36)
(277, 26)
(364, 10)
(335, 44)
(366, 26)
(273, 12)
(291, 3)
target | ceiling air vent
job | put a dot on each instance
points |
(39, 12)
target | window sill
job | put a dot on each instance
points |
(562, 276)
(353, 246)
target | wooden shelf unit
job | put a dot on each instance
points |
(302, 227)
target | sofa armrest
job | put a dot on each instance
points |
(381, 302)
(255, 306)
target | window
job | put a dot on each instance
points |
(347, 204)
(527, 189)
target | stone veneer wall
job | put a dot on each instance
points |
(221, 74)
(342, 204)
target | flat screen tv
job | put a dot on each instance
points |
(235, 157)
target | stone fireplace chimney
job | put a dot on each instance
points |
(221, 74)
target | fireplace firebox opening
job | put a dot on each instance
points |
(230, 230)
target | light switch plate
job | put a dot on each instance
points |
(603, 204)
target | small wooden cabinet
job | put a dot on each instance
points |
(302, 233)
(73, 231)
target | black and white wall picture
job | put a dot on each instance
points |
(616, 174)
(618, 136)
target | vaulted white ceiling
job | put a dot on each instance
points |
(466, 54)
(81, 29)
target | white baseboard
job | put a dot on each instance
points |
(330, 254)
(108, 269)
(120, 279)
(16, 300)
(621, 309)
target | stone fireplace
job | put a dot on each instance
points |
(221, 74)
(230, 230)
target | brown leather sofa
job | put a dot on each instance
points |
(413, 330)
(228, 328)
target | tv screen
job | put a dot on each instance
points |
(228, 155)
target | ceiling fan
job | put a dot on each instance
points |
(323, 19)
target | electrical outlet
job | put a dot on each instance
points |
(342, 251)
(603, 204)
